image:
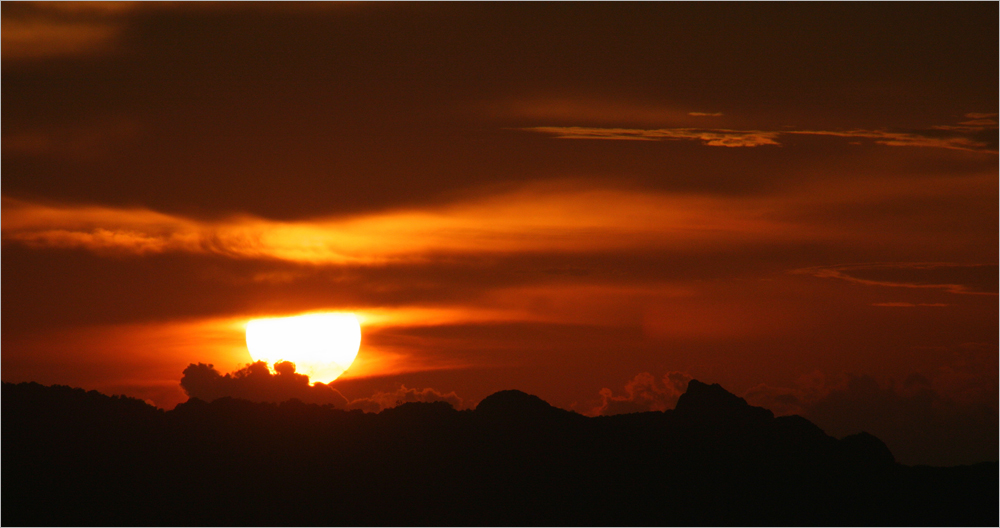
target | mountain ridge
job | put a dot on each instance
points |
(89, 458)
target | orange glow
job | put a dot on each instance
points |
(553, 217)
(144, 358)
(561, 217)
(322, 346)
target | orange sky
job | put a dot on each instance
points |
(796, 201)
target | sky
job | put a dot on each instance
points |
(593, 203)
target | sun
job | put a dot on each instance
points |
(322, 346)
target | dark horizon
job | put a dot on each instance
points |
(82, 458)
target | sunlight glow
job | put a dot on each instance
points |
(322, 346)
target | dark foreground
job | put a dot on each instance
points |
(81, 458)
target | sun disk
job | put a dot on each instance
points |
(322, 346)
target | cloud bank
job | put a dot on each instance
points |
(543, 218)
(916, 421)
(256, 382)
(945, 415)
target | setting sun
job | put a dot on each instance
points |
(322, 346)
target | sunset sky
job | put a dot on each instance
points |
(592, 203)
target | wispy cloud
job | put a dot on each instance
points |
(928, 138)
(909, 304)
(976, 115)
(711, 137)
(967, 135)
(968, 279)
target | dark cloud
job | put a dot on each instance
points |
(255, 382)
(59, 287)
(320, 111)
(914, 420)
(945, 417)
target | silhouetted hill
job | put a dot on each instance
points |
(712, 403)
(514, 408)
(72, 457)
(515, 403)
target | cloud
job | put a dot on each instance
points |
(978, 122)
(47, 30)
(43, 30)
(966, 279)
(33, 39)
(385, 400)
(133, 358)
(943, 416)
(552, 218)
(256, 382)
(978, 135)
(908, 304)
(710, 137)
(808, 388)
(928, 138)
(915, 421)
(643, 394)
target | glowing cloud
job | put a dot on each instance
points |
(540, 219)
(710, 137)
(980, 279)
(955, 137)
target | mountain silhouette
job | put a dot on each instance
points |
(72, 457)
(514, 407)
(515, 403)
(712, 402)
